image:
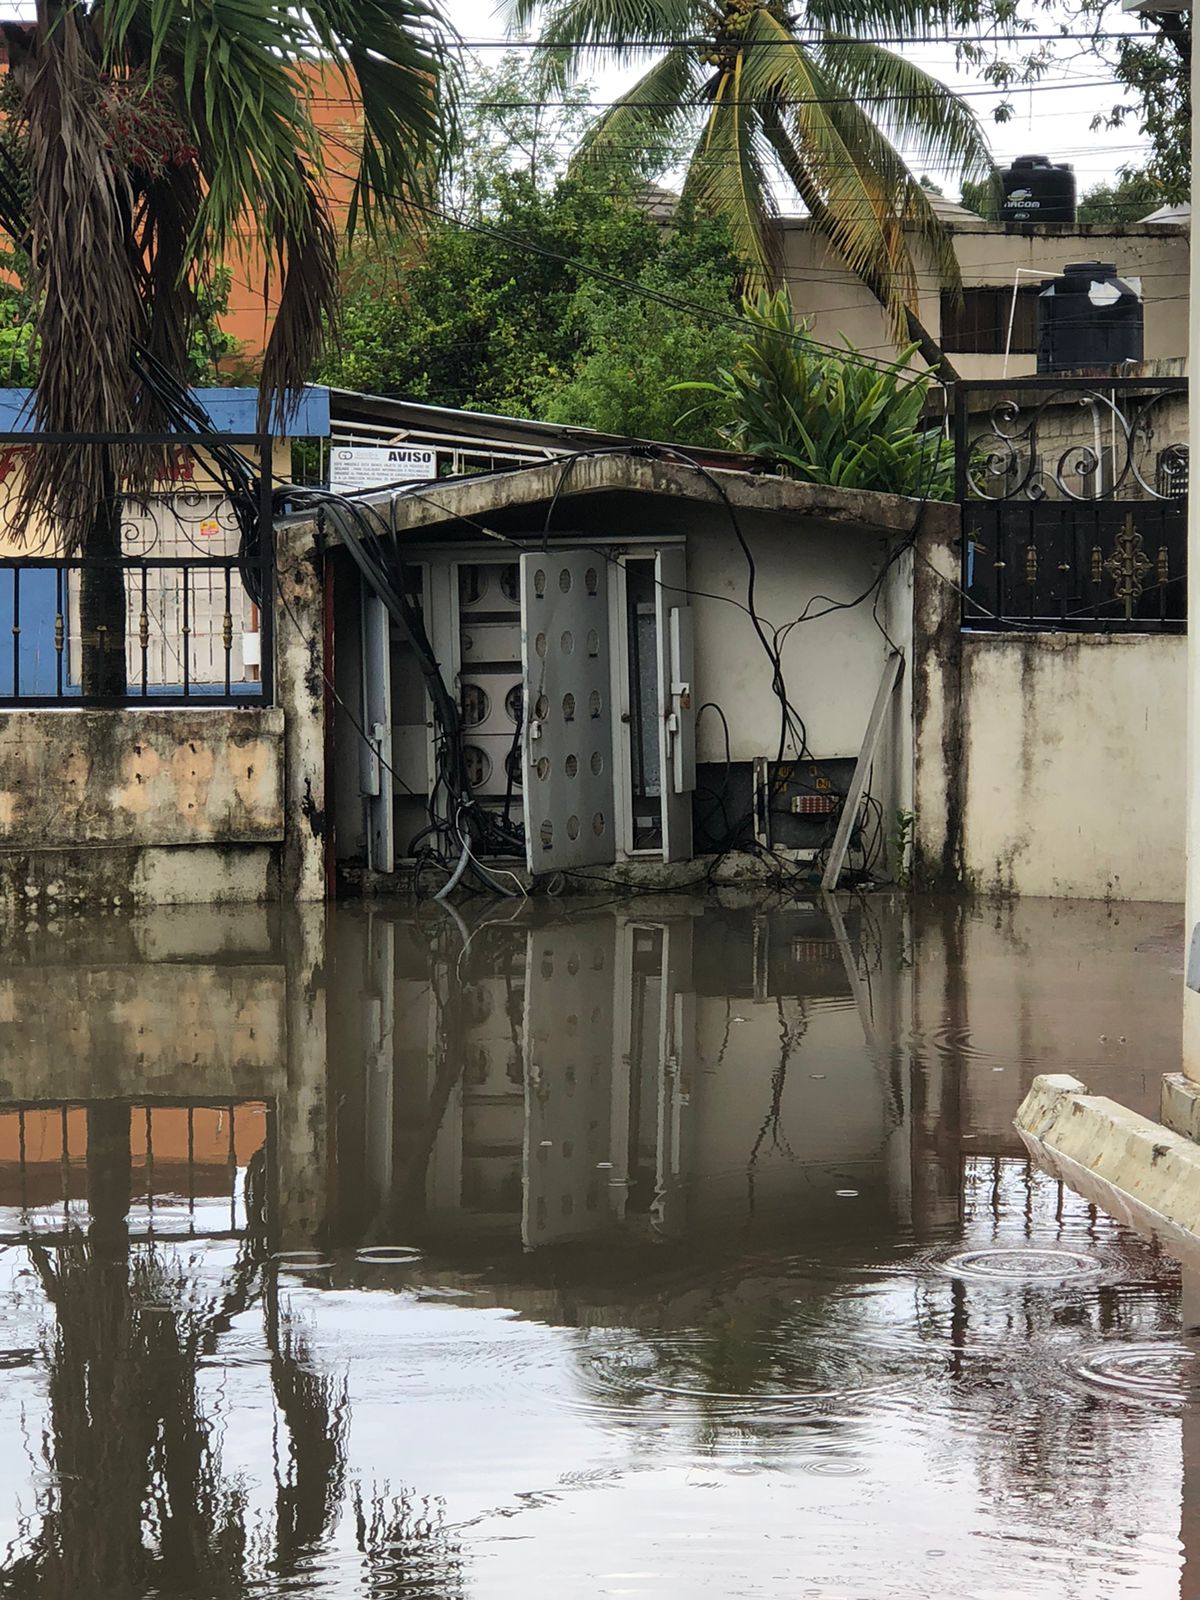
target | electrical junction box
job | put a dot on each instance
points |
(799, 802)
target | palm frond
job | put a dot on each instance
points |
(633, 27)
(653, 115)
(909, 204)
(859, 191)
(88, 319)
(913, 109)
(856, 204)
(727, 175)
(397, 57)
(872, 18)
(308, 305)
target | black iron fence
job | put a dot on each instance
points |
(186, 601)
(1074, 497)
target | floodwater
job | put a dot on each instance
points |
(647, 1249)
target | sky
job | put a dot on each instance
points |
(1052, 122)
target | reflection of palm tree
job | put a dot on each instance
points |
(135, 1498)
(402, 1538)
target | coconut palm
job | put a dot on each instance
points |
(145, 143)
(752, 88)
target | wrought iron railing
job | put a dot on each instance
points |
(1074, 495)
(197, 582)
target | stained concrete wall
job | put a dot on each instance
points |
(168, 777)
(1072, 765)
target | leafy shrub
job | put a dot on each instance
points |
(827, 417)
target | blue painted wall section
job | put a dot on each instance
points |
(231, 410)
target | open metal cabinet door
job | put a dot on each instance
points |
(375, 751)
(568, 788)
(677, 716)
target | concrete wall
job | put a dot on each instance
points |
(1071, 773)
(140, 777)
(825, 291)
(190, 804)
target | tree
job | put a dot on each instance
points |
(1146, 57)
(508, 127)
(507, 315)
(146, 140)
(809, 95)
(1132, 197)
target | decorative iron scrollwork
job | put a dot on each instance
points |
(1080, 441)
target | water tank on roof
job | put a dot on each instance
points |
(1089, 318)
(1035, 190)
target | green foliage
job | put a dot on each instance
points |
(900, 846)
(983, 199)
(1132, 197)
(484, 322)
(827, 418)
(753, 89)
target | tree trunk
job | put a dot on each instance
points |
(102, 598)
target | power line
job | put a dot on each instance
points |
(782, 102)
(644, 42)
(777, 101)
(627, 284)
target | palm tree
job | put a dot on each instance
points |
(147, 142)
(750, 88)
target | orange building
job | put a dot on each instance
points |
(336, 113)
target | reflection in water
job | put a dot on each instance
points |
(649, 1249)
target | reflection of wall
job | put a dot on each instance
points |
(172, 1004)
(174, 1150)
(1034, 986)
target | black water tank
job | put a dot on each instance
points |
(1088, 318)
(1035, 190)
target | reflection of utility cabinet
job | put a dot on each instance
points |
(568, 1165)
(573, 672)
(609, 1047)
(653, 1059)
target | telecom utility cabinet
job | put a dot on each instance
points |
(572, 667)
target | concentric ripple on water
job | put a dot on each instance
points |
(388, 1255)
(795, 1369)
(1021, 1264)
(1156, 1373)
(301, 1261)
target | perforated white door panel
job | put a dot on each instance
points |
(568, 788)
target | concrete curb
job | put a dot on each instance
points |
(1139, 1171)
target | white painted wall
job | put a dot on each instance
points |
(832, 664)
(1073, 755)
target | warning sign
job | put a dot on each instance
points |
(360, 466)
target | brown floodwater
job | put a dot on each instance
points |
(654, 1248)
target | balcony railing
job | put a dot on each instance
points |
(1074, 497)
(195, 626)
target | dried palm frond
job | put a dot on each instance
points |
(80, 203)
